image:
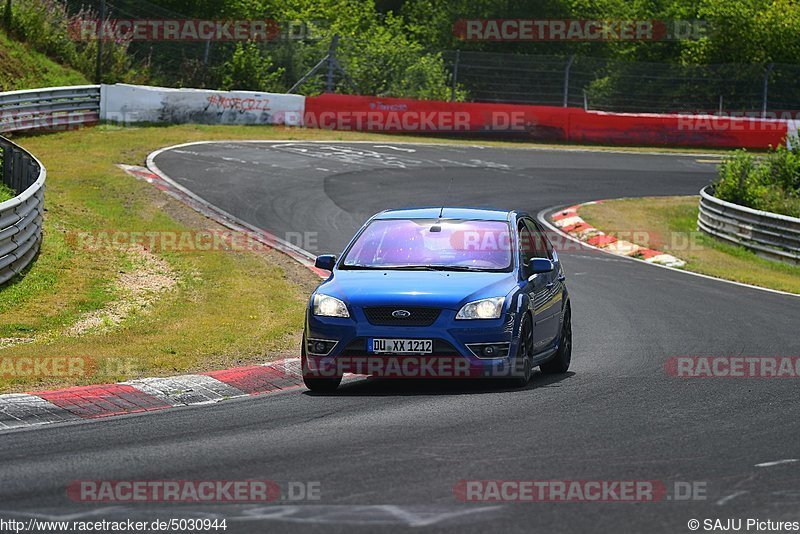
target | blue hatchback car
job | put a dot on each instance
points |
(442, 292)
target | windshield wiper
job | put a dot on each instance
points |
(434, 268)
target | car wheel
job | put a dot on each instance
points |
(313, 382)
(322, 384)
(560, 364)
(522, 362)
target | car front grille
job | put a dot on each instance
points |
(417, 315)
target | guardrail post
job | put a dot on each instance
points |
(6, 173)
(16, 171)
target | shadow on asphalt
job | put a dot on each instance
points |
(375, 386)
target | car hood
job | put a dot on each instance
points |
(443, 289)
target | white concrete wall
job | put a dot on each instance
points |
(137, 103)
(791, 131)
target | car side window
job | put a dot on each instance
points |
(538, 240)
(526, 244)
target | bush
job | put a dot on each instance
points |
(251, 69)
(771, 183)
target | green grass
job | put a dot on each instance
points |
(6, 193)
(669, 224)
(24, 68)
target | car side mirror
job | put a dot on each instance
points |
(325, 262)
(539, 266)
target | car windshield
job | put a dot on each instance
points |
(436, 244)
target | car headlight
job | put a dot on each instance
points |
(490, 308)
(328, 306)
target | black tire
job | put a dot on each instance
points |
(523, 368)
(322, 384)
(560, 363)
(314, 382)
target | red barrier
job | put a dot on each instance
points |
(542, 123)
(674, 130)
(346, 112)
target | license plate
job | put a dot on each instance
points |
(400, 346)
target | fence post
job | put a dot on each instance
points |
(455, 76)
(566, 79)
(206, 51)
(766, 87)
(101, 22)
(585, 101)
(332, 62)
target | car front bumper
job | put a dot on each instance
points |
(341, 345)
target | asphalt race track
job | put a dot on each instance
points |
(388, 454)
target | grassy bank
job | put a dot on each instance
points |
(669, 224)
(21, 67)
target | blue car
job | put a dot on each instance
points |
(440, 292)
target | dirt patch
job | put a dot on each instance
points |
(138, 288)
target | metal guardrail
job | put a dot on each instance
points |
(769, 235)
(20, 217)
(52, 108)
(49, 109)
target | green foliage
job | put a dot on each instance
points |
(251, 69)
(771, 183)
(753, 31)
(389, 63)
(45, 26)
(6, 193)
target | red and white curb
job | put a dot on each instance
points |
(568, 221)
(146, 394)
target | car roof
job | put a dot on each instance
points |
(484, 214)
